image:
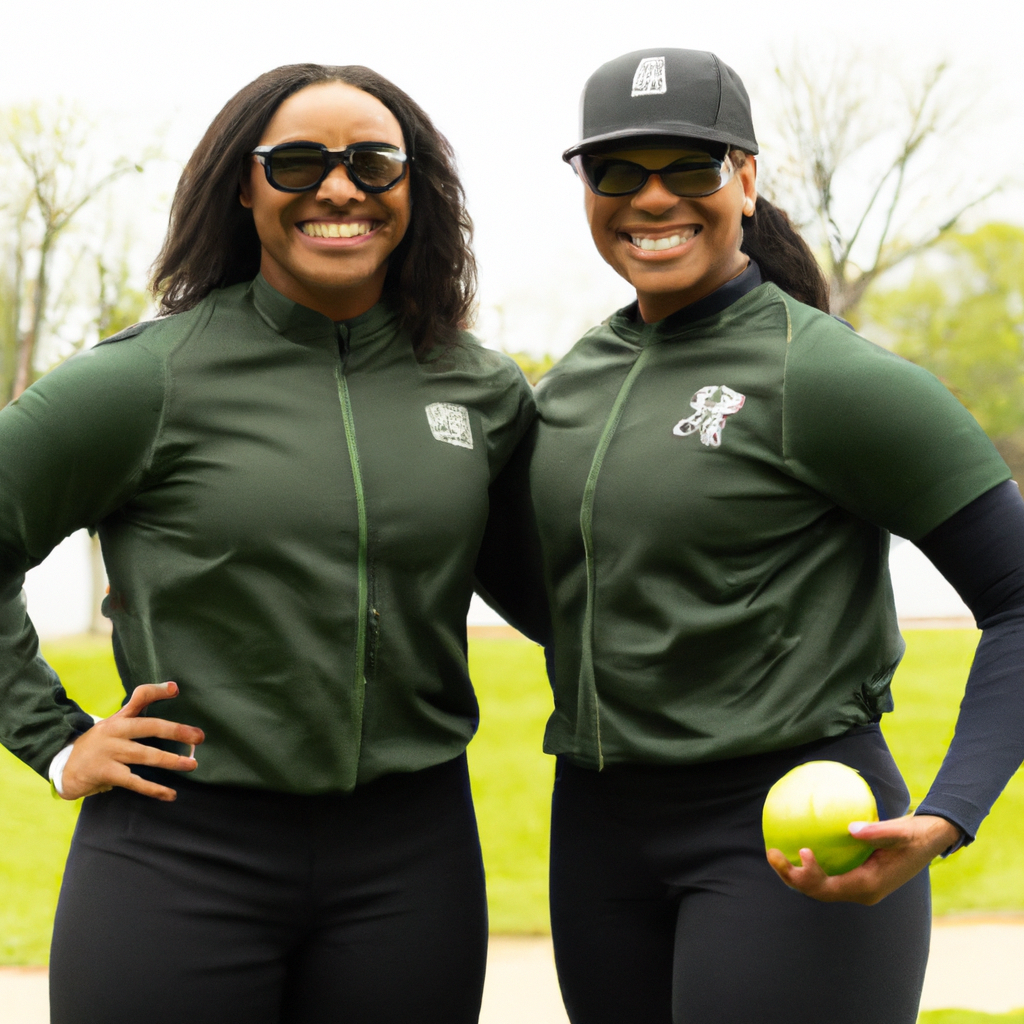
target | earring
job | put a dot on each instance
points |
(748, 207)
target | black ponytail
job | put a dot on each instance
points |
(782, 255)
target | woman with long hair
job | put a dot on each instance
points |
(715, 472)
(289, 474)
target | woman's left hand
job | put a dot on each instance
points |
(903, 846)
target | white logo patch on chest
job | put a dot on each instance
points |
(713, 404)
(450, 423)
(649, 79)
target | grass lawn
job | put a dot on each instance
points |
(988, 875)
(512, 786)
(35, 830)
(512, 780)
(970, 1017)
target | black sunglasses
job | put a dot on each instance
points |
(690, 176)
(301, 166)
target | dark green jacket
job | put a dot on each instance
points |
(714, 499)
(290, 512)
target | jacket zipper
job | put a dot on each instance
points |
(588, 707)
(357, 480)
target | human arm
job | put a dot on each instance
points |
(73, 449)
(100, 757)
(903, 847)
(888, 443)
(980, 551)
(509, 572)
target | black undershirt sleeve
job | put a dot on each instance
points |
(980, 551)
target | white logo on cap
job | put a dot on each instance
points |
(649, 79)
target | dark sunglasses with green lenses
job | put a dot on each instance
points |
(301, 166)
(692, 176)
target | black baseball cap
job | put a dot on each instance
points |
(689, 94)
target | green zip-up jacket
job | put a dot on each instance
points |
(290, 512)
(713, 498)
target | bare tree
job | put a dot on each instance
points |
(49, 148)
(49, 272)
(119, 304)
(16, 207)
(861, 172)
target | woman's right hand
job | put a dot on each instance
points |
(100, 757)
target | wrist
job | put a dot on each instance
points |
(55, 773)
(946, 835)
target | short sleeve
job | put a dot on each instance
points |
(881, 437)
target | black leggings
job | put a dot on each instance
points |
(234, 906)
(665, 911)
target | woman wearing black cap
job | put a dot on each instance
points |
(715, 473)
(289, 473)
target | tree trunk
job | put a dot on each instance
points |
(98, 622)
(11, 341)
(27, 344)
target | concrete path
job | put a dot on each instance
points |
(23, 998)
(976, 964)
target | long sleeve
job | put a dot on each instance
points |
(72, 449)
(509, 570)
(980, 550)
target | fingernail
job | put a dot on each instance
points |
(858, 826)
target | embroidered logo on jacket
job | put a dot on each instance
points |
(713, 404)
(649, 79)
(450, 423)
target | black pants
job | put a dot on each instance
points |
(665, 911)
(234, 906)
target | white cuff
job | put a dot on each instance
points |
(56, 769)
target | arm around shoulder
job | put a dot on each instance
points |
(509, 568)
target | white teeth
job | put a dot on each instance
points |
(332, 229)
(657, 244)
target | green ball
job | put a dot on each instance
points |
(812, 806)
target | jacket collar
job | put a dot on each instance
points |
(303, 325)
(627, 323)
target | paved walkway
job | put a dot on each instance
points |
(976, 964)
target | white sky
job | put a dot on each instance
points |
(502, 81)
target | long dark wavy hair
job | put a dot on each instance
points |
(780, 251)
(212, 242)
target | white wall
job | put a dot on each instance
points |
(920, 590)
(59, 591)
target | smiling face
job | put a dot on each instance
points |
(328, 248)
(672, 249)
